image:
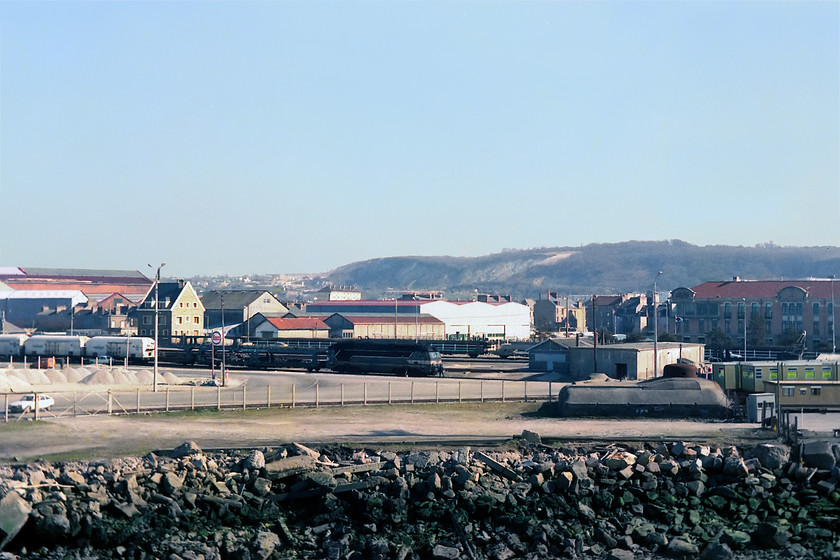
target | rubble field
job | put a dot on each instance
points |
(524, 499)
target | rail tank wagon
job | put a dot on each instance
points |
(137, 347)
(55, 345)
(678, 394)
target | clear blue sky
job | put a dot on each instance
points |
(282, 137)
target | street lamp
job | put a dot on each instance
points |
(655, 329)
(157, 323)
(833, 331)
(745, 328)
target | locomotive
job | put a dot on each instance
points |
(398, 357)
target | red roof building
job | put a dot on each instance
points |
(756, 314)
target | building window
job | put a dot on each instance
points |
(773, 373)
(787, 391)
(754, 309)
(727, 311)
(759, 373)
(792, 373)
(147, 320)
(809, 373)
(826, 372)
(768, 310)
(816, 391)
(195, 319)
(180, 320)
(741, 309)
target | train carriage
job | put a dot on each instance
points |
(55, 345)
(137, 347)
(11, 345)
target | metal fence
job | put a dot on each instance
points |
(308, 395)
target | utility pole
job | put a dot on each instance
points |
(224, 369)
(594, 338)
(157, 323)
(655, 329)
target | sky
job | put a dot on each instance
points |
(295, 137)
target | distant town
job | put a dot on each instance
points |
(730, 316)
(760, 339)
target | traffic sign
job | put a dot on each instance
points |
(216, 338)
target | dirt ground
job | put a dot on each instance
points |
(472, 424)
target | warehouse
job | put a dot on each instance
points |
(461, 319)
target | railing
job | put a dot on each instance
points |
(309, 395)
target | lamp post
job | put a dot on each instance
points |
(157, 322)
(833, 330)
(655, 329)
(745, 328)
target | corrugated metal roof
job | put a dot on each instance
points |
(84, 273)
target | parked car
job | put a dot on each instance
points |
(27, 403)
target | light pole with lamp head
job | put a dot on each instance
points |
(745, 329)
(655, 329)
(833, 330)
(157, 322)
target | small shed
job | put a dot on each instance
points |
(549, 356)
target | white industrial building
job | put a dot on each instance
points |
(461, 319)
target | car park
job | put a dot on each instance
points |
(27, 403)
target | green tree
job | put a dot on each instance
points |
(756, 332)
(718, 341)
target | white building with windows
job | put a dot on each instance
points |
(461, 319)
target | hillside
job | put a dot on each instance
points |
(596, 268)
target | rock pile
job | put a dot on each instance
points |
(524, 500)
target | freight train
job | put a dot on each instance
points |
(137, 348)
(399, 357)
